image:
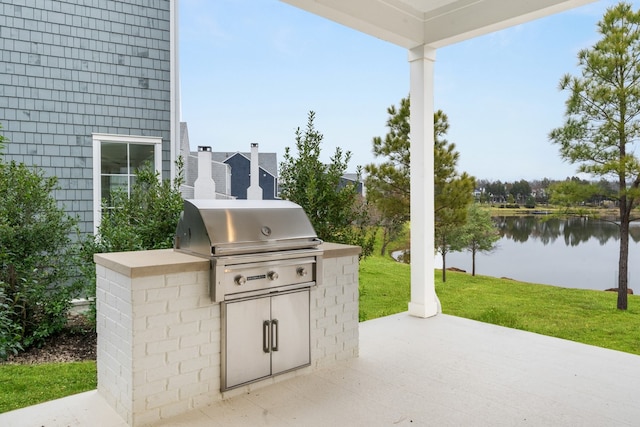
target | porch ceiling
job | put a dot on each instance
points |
(436, 23)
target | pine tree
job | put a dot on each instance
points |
(603, 118)
(453, 193)
(388, 183)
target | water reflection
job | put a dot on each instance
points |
(572, 230)
(573, 252)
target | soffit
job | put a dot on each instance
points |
(436, 23)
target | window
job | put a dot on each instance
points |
(115, 160)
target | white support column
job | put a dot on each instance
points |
(424, 302)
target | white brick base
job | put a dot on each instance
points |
(159, 332)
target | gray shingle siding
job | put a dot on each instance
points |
(70, 68)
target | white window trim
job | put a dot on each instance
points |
(98, 139)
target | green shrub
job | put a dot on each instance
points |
(145, 219)
(335, 209)
(37, 258)
(530, 203)
(9, 331)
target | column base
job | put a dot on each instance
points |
(423, 310)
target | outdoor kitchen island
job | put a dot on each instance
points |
(159, 332)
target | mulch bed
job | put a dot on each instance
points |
(76, 343)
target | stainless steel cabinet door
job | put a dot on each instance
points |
(247, 322)
(290, 336)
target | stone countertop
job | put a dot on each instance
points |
(168, 261)
(336, 250)
(151, 263)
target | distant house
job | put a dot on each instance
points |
(352, 178)
(220, 172)
(240, 164)
(231, 171)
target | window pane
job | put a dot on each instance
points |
(140, 153)
(114, 158)
(110, 183)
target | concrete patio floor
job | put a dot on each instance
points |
(442, 371)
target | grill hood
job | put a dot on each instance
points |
(225, 227)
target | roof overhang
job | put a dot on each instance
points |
(435, 23)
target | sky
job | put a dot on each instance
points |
(252, 70)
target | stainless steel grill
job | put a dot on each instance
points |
(265, 258)
(254, 246)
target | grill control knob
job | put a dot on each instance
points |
(272, 275)
(301, 271)
(240, 280)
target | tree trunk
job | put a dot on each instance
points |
(444, 268)
(623, 261)
(384, 241)
(473, 262)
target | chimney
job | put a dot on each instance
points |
(254, 192)
(204, 187)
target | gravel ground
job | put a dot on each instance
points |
(76, 343)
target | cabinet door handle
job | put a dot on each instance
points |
(274, 335)
(265, 336)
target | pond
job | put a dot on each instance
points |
(573, 253)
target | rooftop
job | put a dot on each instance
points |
(442, 371)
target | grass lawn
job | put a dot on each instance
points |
(25, 385)
(384, 287)
(585, 316)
